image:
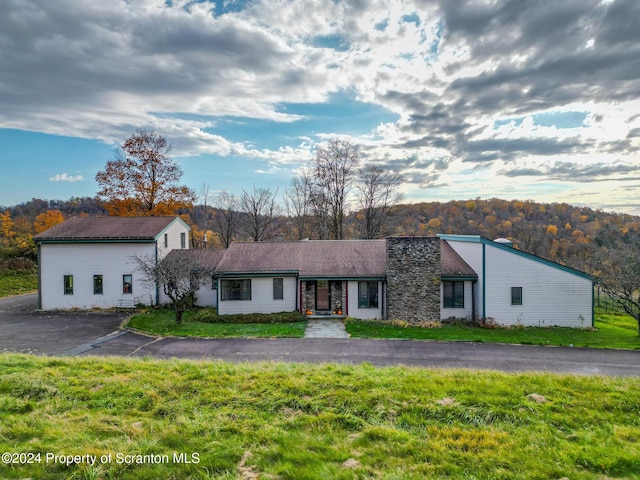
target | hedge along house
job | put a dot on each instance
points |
(89, 262)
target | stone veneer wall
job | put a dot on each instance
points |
(338, 293)
(413, 279)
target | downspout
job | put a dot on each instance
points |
(484, 282)
(473, 300)
(346, 297)
(157, 283)
(300, 296)
(39, 279)
(593, 306)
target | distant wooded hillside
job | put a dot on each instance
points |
(558, 231)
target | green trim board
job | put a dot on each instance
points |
(96, 240)
(461, 278)
(275, 273)
(506, 248)
(346, 279)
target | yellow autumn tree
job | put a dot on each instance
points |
(48, 219)
(552, 229)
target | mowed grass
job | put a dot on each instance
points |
(18, 283)
(611, 331)
(162, 322)
(296, 421)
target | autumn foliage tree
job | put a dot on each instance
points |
(143, 179)
(48, 219)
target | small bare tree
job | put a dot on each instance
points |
(297, 200)
(259, 209)
(334, 171)
(227, 218)
(377, 194)
(179, 274)
(618, 272)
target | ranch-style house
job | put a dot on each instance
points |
(88, 263)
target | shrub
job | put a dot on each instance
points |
(209, 315)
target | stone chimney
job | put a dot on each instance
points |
(413, 278)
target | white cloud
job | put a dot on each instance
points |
(65, 177)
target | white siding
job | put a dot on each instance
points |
(466, 312)
(173, 232)
(262, 298)
(206, 296)
(551, 296)
(472, 254)
(83, 261)
(363, 313)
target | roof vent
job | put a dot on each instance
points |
(504, 241)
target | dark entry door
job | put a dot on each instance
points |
(322, 295)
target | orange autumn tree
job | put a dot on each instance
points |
(143, 179)
(48, 219)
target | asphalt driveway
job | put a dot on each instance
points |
(24, 330)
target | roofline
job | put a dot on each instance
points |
(522, 253)
(95, 240)
(175, 219)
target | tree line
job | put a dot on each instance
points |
(334, 196)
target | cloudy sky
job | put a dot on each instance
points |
(505, 98)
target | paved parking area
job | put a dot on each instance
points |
(80, 334)
(24, 330)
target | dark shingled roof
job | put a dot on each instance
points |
(452, 264)
(325, 258)
(106, 228)
(308, 258)
(209, 259)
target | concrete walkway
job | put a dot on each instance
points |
(325, 329)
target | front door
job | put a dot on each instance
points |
(323, 301)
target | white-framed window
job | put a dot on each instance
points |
(97, 284)
(453, 294)
(236, 289)
(367, 294)
(516, 295)
(278, 288)
(68, 284)
(127, 283)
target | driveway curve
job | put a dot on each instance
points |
(25, 330)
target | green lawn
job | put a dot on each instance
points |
(295, 421)
(162, 322)
(17, 283)
(612, 331)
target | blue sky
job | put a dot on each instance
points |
(528, 100)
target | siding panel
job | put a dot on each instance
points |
(262, 298)
(85, 260)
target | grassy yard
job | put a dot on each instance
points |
(612, 331)
(294, 421)
(17, 283)
(162, 322)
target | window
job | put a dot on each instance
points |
(97, 284)
(236, 289)
(166, 240)
(68, 284)
(516, 295)
(367, 294)
(453, 293)
(278, 288)
(127, 284)
(183, 240)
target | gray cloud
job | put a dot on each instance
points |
(569, 171)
